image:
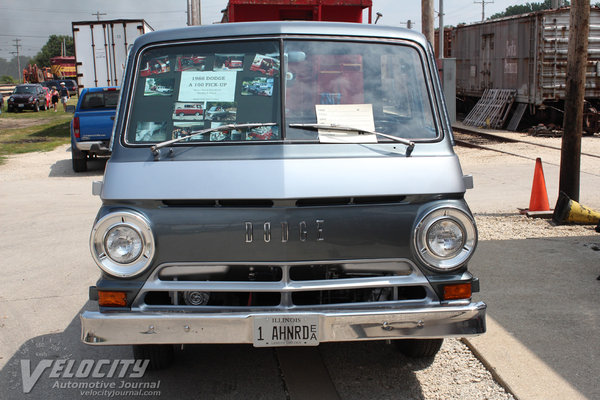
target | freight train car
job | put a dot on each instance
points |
(527, 53)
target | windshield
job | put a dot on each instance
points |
(24, 90)
(376, 86)
(105, 99)
(194, 87)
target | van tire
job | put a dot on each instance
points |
(160, 355)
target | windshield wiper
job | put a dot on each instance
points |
(155, 149)
(334, 127)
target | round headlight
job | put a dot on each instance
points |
(122, 243)
(445, 238)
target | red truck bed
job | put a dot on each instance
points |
(308, 10)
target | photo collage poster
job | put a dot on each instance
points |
(205, 95)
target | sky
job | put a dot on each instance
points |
(33, 21)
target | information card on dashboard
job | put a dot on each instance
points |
(358, 116)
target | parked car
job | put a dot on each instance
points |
(189, 109)
(92, 125)
(332, 210)
(1, 101)
(69, 83)
(71, 86)
(29, 96)
(49, 84)
(216, 113)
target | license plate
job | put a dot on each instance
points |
(21, 105)
(287, 330)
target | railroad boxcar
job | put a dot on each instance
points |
(527, 53)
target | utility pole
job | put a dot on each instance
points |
(427, 23)
(194, 12)
(441, 32)
(98, 14)
(483, 3)
(570, 156)
(17, 46)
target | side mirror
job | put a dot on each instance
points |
(71, 109)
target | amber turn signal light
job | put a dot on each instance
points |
(112, 299)
(458, 291)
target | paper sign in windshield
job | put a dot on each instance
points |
(359, 116)
(200, 86)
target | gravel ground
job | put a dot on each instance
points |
(515, 226)
(454, 374)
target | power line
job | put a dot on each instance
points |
(483, 3)
(27, 36)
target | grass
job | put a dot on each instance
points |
(28, 131)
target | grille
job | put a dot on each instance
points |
(267, 203)
(238, 286)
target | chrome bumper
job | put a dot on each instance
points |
(96, 146)
(117, 328)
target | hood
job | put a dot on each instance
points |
(281, 178)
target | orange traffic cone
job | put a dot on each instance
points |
(539, 195)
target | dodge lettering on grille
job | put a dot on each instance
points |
(303, 231)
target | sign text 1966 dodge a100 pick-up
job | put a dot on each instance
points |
(331, 209)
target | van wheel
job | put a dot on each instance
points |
(160, 355)
(419, 348)
(79, 160)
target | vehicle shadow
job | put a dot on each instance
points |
(64, 168)
(198, 372)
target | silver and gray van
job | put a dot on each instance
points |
(318, 199)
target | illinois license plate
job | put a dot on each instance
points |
(288, 330)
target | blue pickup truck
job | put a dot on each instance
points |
(92, 124)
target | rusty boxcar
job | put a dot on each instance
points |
(527, 53)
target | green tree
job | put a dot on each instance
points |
(525, 8)
(11, 68)
(52, 49)
(7, 79)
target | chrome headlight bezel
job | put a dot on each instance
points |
(134, 221)
(461, 255)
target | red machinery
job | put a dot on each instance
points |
(307, 10)
(34, 74)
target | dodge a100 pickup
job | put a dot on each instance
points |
(330, 209)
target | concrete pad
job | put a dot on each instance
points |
(543, 313)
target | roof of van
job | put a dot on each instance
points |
(280, 28)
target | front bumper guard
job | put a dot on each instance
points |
(119, 328)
